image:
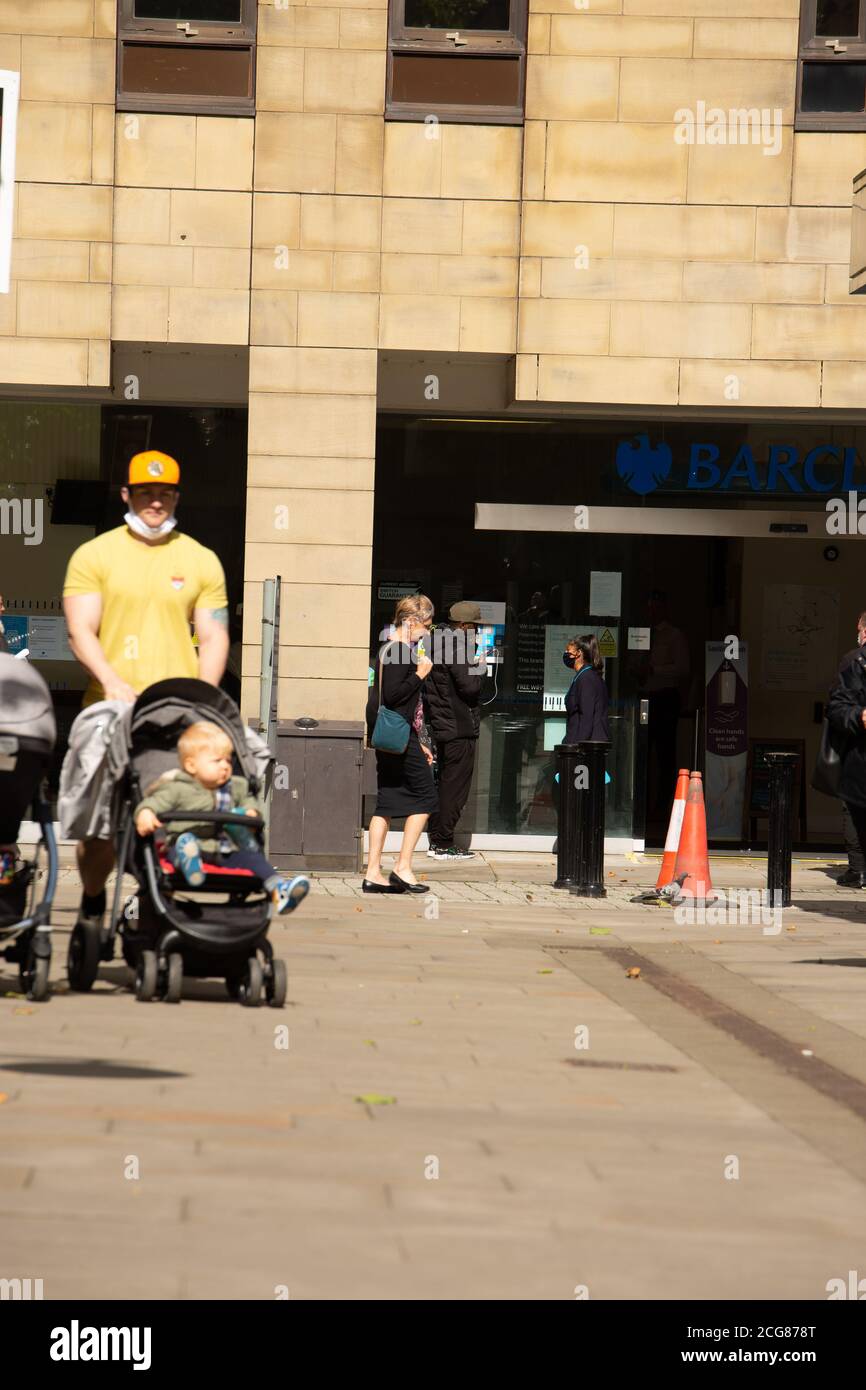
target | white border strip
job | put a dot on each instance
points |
(9, 84)
(688, 520)
(520, 844)
(30, 832)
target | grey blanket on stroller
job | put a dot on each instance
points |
(95, 762)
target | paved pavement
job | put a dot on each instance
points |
(554, 1124)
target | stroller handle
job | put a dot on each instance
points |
(213, 818)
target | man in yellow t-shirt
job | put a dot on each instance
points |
(129, 598)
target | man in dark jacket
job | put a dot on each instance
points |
(855, 875)
(451, 694)
(846, 712)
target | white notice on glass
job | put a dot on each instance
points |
(605, 593)
(639, 639)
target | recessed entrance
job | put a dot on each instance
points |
(491, 510)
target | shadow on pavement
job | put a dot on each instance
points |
(838, 960)
(95, 1067)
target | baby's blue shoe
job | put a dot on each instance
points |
(187, 858)
(289, 893)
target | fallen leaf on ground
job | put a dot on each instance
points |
(544, 972)
(369, 1042)
(414, 1022)
(11, 994)
(599, 931)
(359, 909)
(790, 929)
(3, 1096)
(373, 1099)
(23, 1011)
(633, 973)
(529, 898)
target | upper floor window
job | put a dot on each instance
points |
(831, 83)
(458, 60)
(186, 56)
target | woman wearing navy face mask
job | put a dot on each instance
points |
(586, 701)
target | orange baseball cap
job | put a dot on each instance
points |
(153, 467)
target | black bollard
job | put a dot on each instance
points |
(779, 836)
(580, 848)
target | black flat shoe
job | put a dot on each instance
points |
(401, 886)
(368, 887)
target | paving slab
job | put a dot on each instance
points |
(551, 1124)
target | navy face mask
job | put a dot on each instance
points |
(568, 660)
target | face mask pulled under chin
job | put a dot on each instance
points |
(150, 533)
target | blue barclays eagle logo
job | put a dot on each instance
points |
(641, 465)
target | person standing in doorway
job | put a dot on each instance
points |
(129, 598)
(855, 875)
(586, 700)
(665, 675)
(405, 780)
(846, 712)
(451, 695)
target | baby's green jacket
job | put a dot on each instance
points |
(184, 793)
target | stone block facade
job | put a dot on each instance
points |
(617, 265)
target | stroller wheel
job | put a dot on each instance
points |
(250, 991)
(277, 984)
(83, 960)
(174, 980)
(145, 976)
(34, 975)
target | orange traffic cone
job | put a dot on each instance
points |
(675, 825)
(693, 860)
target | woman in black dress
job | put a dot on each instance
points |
(587, 699)
(405, 780)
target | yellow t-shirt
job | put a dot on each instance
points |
(148, 596)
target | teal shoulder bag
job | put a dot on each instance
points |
(391, 731)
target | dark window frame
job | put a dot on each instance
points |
(507, 45)
(159, 33)
(818, 48)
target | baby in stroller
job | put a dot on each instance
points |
(204, 782)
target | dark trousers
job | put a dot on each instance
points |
(664, 715)
(455, 761)
(854, 822)
(852, 843)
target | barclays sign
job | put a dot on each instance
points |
(823, 469)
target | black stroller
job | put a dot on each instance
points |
(27, 736)
(168, 930)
